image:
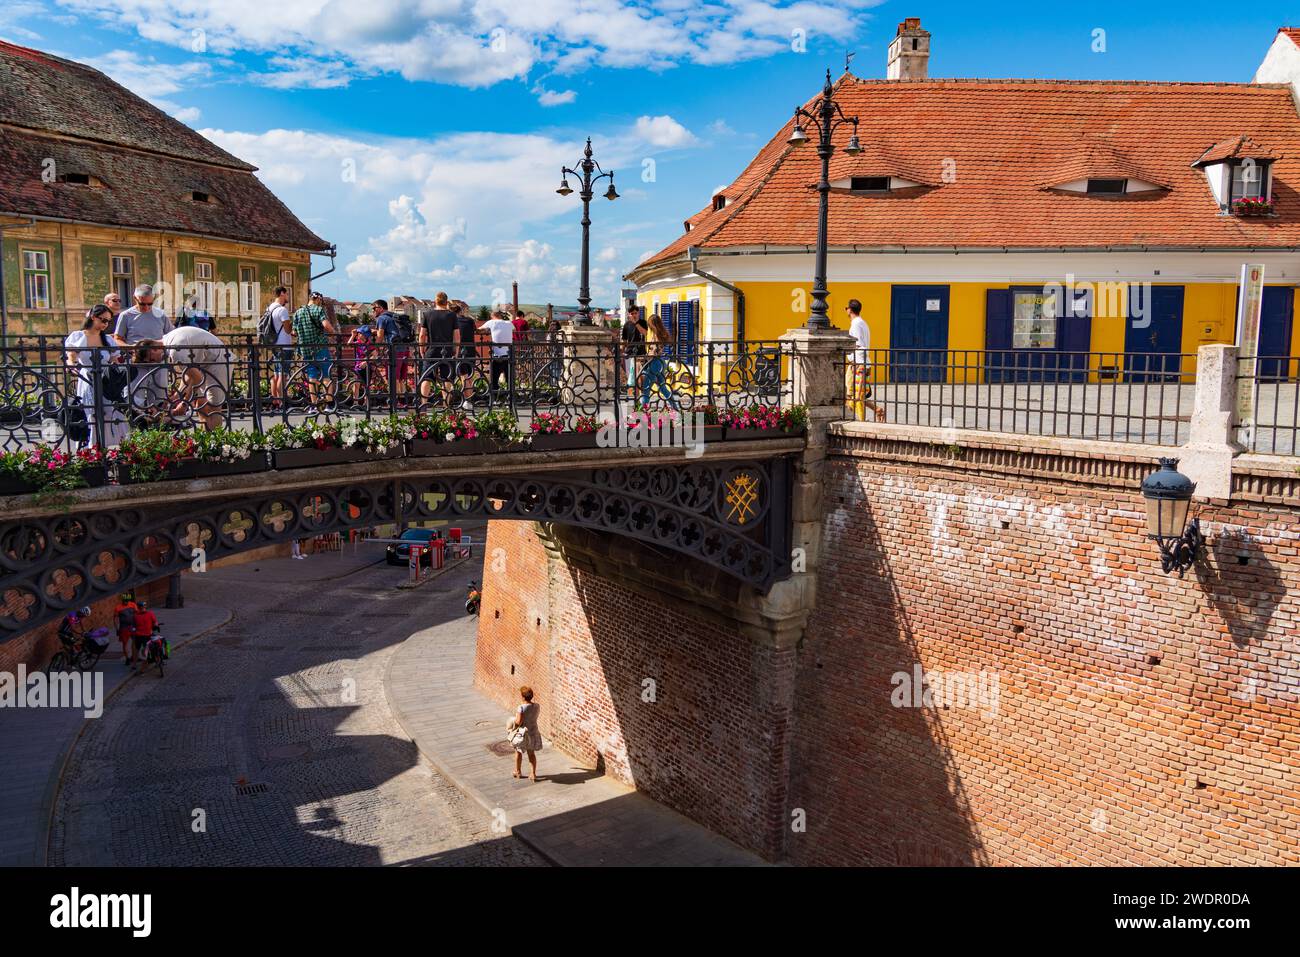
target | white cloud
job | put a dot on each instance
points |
(663, 131)
(476, 43)
(556, 98)
(466, 210)
(608, 254)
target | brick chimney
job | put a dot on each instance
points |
(909, 52)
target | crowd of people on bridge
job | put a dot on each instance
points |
(134, 367)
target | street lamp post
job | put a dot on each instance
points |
(585, 172)
(826, 116)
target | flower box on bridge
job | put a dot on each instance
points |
(561, 441)
(94, 476)
(738, 435)
(307, 458)
(475, 446)
(198, 468)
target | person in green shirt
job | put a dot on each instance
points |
(312, 328)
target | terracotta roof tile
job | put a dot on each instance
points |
(1001, 141)
(149, 163)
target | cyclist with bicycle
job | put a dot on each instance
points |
(145, 623)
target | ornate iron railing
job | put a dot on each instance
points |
(77, 397)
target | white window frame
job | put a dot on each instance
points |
(32, 299)
(248, 289)
(288, 279)
(115, 275)
(205, 277)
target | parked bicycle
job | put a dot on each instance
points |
(155, 652)
(472, 599)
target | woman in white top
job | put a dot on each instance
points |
(92, 339)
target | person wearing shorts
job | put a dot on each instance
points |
(124, 620)
(312, 328)
(145, 622)
(436, 338)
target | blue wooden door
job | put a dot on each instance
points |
(918, 334)
(1065, 360)
(1275, 332)
(1153, 337)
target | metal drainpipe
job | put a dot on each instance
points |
(4, 299)
(334, 250)
(694, 253)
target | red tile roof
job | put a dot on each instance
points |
(1235, 147)
(1293, 33)
(1000, 142)
(150, 163)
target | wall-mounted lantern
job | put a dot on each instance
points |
(1168, 493)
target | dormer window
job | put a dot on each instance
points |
(869, 184)
(1249, 180)
(80, 179)
(719, 201)
(1107, 187)
(199, 196)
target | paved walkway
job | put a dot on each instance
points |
(572, 816)
(34, 743)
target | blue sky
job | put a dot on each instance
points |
(425, 137)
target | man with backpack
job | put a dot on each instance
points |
(397, 333)
(275, 332)
(124, 625)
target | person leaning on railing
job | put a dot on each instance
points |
(201, 379)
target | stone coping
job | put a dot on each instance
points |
(1265, 479)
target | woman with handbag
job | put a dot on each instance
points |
(523, 734)
(102, 403)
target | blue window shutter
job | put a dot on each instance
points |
(685, 337)
(668, 313)
(997, 336)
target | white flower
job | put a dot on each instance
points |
(451, 436)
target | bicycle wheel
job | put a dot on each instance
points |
(58, 663)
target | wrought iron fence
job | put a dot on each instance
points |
(1274, 424)
(77, 397)
(1114, 397)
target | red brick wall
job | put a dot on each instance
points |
(710, 745)
(1142, 719)
(514, 615)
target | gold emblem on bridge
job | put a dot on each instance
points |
(742, 496)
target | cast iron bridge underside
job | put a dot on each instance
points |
(732, 515)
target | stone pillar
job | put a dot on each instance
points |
(587, 363)
(1207, 457)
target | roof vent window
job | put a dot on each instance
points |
(869, 184)
(80, 179)
(201, 197)
(719, 201)
(1107, 187)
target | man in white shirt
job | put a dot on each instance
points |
(503, 334)
(283, 344)
(858, 369)
(200, 375)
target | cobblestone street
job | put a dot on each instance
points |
(270, 742)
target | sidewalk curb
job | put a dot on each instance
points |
(50, 796)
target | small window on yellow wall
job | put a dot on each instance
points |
(36, 278)
(287, 279)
